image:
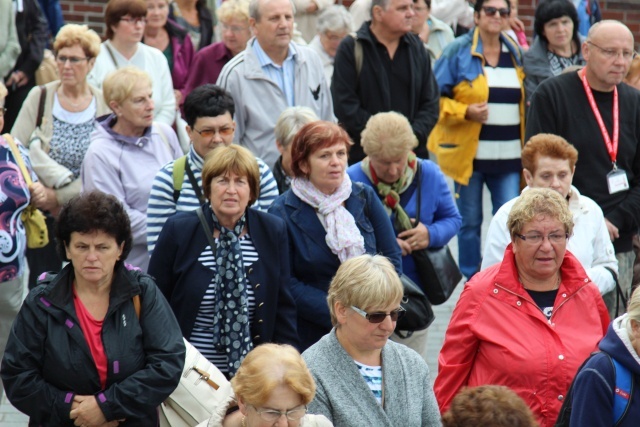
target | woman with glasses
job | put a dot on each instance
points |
(480, 132)
(557, 45)
(363, 378)
(127, 150)
(125, 21)
(55, 124)
(528, 322)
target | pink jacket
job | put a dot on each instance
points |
(498, 335)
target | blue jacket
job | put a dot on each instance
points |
(438, 212)
(313, 265)
(183, 280)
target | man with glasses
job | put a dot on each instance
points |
(600, 116)
(209, 112)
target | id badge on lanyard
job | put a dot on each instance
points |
(617, 180)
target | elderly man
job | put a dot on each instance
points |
(272, 74)
(549, 161)
(600, 116)
(385, 58)
(177, 186)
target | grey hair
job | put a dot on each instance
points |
(382, 3)
(334, 18)
(254, 8)
(290, 122)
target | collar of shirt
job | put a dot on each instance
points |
(196, 161)
(264, 59)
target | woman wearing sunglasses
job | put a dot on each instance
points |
(363, 378)
(480, 131)
(530, 321)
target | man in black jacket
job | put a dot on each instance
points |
(391, 72)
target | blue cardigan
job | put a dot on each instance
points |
(184, 281)
(313, 265)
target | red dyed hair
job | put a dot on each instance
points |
(313, 137)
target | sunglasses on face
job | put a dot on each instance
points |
(491, 11)
(378, 317)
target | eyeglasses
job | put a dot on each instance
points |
(491, 11)
(378, 317)
(271, 415)
(210, 133)
(536, 239)
(627, 55)
(234, 28)
(134, 21)
(73, 60)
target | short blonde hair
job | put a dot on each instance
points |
(365, 281)
(633, 311)
(291, 121)
(234, 9)
(119, 84)
(234, 158)
(3, 92)
(73, 34)
(388, 135)
(539, 201)
(268, 366)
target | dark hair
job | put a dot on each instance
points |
(427, 2)
(480, 3)
(207, 100)
(313, 137)
(93, 211)
(116, 9)
(553, 9)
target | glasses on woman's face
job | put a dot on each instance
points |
(210, 133)
(73, 60)
(379, 316)
(491, 11)
(534, 239)
(271, 415)
(135, 21)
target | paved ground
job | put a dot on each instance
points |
(10, 417)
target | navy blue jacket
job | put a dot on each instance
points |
(313, 265)
(183, 280)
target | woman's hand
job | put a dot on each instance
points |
(85, 411)
(417, 237)
(477, 112)
(405, 246)
(44, 198)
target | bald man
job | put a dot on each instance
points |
(586, 108)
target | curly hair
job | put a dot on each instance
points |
(73, 34)
(539, 201)
(488, 405)
(90, 212)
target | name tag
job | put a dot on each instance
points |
(617, 181)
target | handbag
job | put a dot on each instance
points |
(419, 314)
(32, 218)
(437, 270)
(47, 70)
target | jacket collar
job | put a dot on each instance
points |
(512, 46)
(105, 124)
(254, 68)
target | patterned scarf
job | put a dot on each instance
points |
(343, 236)
(231, 331)
(391, 193)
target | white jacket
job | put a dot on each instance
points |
(590, 242)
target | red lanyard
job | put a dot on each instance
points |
(612, 145)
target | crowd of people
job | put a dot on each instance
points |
(258, 178)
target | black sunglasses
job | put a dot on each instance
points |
(379, 317)
(491, 11)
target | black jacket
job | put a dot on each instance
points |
(47, 359)
(354, 104)
(33, 35)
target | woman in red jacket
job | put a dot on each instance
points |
(530, 321)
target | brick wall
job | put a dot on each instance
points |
(90, 12)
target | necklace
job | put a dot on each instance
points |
(244, 422)
(554, 288)
(68, 99)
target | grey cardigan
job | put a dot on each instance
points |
(343, 396)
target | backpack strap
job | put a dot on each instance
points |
(622, 392)
(43, 96)
(136, 305)
(178, 176)
(194, 183)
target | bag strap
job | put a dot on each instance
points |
(18, 157)
(43, 96)
(622, 392)
(113, 57)
(178, 176)
(619, 292)
(136, 305)
(194, 183)
(207, 230)
(419, 190)
(163, 136)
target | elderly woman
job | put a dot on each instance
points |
(329, 220)
(208, 62)
(127, 150)
(334, 24)
(363, 378)
(172, 40)
(289, 123)
(402, 181)
(593, 397)
(125, 21)
(226, 310)
(196, 18)
(528, 322)
(58, 137)
(272, 382)
(434, 33)
(480, 132)
(12, 254)
(557, 45)
(80, 344)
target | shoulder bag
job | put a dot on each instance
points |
(438, 272)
